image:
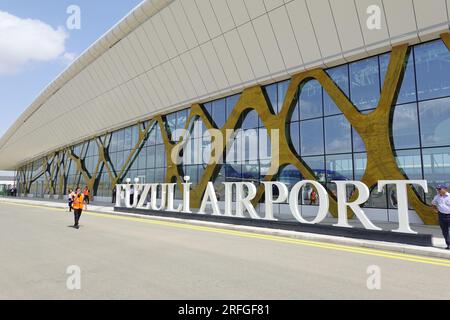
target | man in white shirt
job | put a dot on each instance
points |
(441, 203)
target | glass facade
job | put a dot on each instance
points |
(421, 114)
(319, 133)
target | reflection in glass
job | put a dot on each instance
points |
(160, 160)
(435, 122)
(358, 142)
(407, 91)
(310, 100)
(233, 172)
(339, 167)
(219, 112)
(272, 94)
(250, 120)
(264, 144)
(151, 140)
(151, 157)
(360, 164)
(377, 199)
(218, 184)
(295, 136)
(142, 159)
(250, 144)
(128, 139)
(340, 77)
(120, 140)
(158, 137)
(289, 175)
(405, 127)
(160, 175)
(311, 137)
(436, 166)
(410, 162)
(171, 125)
(365, 83)
(317, 167)
(264, 167)
(282, 90)
(250, 171)
(295, 112)
(231, 103)
(337, 135)
(432, 70)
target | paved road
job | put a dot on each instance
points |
(142, 259)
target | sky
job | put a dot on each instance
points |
(40, 39)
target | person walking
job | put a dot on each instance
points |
(86, 194)
(77, 205)
(70, 198)
(313, 197)
(114, 194)
(131, 194)
(441, 203)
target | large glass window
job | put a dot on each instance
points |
(171, 125)
(358, 142)
(282, 90)
(407, 91)
(219, 112)
(339, 167)
(405, 127)
(340, 77)
(272, 94)
(317, 167)
(337, 135)
(435, 122)
(360, 164)
(289, 175)
(128, 139)
(311, 137)
(436, 167)
(231, 103)
(250, 120)
(410, 162)
(310, 100)
(295, 136)
(377, 199)
(365, 83)
(432, 70)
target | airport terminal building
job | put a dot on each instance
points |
(351, 102)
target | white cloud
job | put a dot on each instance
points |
(26, 40)
(69, 57)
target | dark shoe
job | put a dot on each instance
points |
(76, 227)
(448, 248)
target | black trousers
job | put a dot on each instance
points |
(77, 215)
(444, 222)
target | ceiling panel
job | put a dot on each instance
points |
(285, 37)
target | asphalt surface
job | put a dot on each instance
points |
(131, 258)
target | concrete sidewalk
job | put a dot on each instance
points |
(438, 241)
